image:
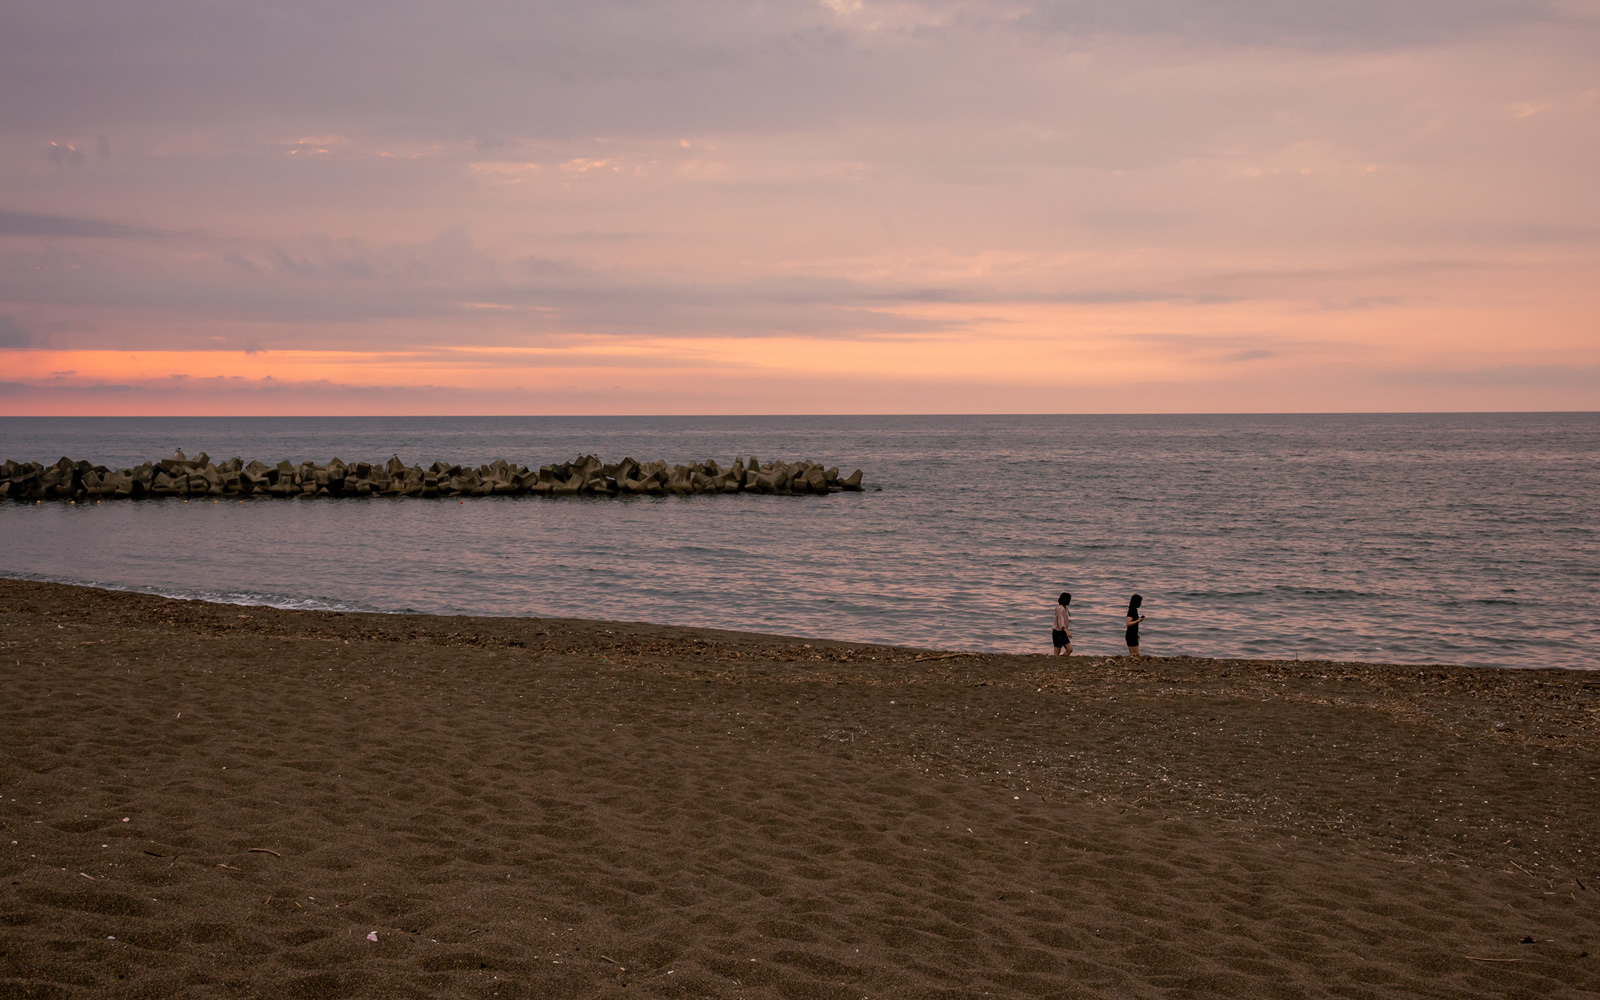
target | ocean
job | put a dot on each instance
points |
(1413, 538)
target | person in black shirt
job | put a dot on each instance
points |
(1133, 620)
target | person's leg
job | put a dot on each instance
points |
(1133, 651)
(1068, 648)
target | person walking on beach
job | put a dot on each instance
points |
(1061, 635)
(1133, 620)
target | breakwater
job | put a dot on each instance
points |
(586, 475)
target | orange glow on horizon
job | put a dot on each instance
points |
(987, 357)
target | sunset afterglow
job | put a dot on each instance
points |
(932, 206)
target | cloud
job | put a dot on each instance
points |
(12, 334)
(445, 281)
(500, 66)
(500, 69)
(64, 154)
(1305, 23)
(1133, 220)
(1583, 377)
(1235, 348)
(594, 236)
(738, 392)
(370, 175)
(978, 293)
(1525, 232)
(31, 224)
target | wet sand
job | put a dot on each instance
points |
(212, 801)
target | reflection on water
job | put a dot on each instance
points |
(1415, 538)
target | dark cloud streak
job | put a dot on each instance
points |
(32, 224)
(1313, 24)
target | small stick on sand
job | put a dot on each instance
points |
(1522, 869)
(1474, 958)
(264, 850)
(613, 961)
(231, 868)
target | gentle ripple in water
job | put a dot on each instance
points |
(1412, 538)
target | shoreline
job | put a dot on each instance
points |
(556, 806)
(334, 609)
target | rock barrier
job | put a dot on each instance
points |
(585, 476)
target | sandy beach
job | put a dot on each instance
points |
(202, 800)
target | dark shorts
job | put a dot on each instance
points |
(1059, 637)
(1132, 637)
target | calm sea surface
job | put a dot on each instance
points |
(1466, 538)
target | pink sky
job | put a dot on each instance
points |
(837, 206)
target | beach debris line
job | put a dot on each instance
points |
(180, 476)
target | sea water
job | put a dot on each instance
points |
(1460, 538)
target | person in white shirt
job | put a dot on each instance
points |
(1061, 635)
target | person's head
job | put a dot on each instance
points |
(1065, 599)
(1133, 605)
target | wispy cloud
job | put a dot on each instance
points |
(65, 154)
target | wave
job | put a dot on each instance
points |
(240, 598)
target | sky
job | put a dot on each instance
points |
(798, 206)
